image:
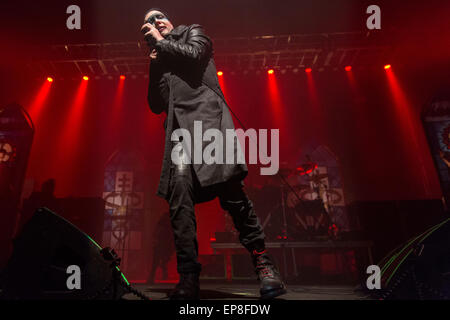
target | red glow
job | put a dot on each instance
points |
(117, 109)
(352, 83)
(312, 91)
(222, 83)
(50, 79)
(212, 239)
(39, 100)
(69, 142)
(357, 97)
(74, 118)
(307, 169)
(86, 78)
(348, 68)
(270, 71)
(388, 66)
(317, 107)
(276, 104)
(409, 124)
(308, 70)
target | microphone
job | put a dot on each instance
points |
(149, 39)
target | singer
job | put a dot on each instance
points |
(183, 84)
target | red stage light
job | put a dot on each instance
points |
(270, 71)
(39, 100)
(50, 79)
(348, 68)
(388, 66)
(220, 73)
(85, 78)
(308, 70)
(122, 77)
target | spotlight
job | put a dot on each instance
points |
(50, 79)
(270, 71)
(308, 70)
(388, 66)
(85, 78)
(122, 77)
(348, 68)
(219, 73)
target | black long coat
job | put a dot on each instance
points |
(183, 83)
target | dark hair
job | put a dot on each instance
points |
(156, 9)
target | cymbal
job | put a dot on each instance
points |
(306, 168)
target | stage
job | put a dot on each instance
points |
(250, 292)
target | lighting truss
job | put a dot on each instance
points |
(244, 54)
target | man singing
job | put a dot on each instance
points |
(183, 83)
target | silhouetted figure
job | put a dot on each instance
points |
(163, 247)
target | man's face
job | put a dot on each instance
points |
(159, 21)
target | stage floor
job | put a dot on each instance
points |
(230, 291)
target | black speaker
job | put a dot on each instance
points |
(418, 269)
(391, 223)
(43, 251)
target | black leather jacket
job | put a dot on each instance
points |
(183, 83)
(187, 59)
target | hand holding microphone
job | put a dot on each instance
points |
(151, 34)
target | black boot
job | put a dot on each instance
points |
(188, 288)
(271, 285)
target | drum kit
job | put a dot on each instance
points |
(297, 211)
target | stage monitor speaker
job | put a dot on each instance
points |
(418, 269)
(390, 223)
(42, 254)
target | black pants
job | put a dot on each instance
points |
(184, 190)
